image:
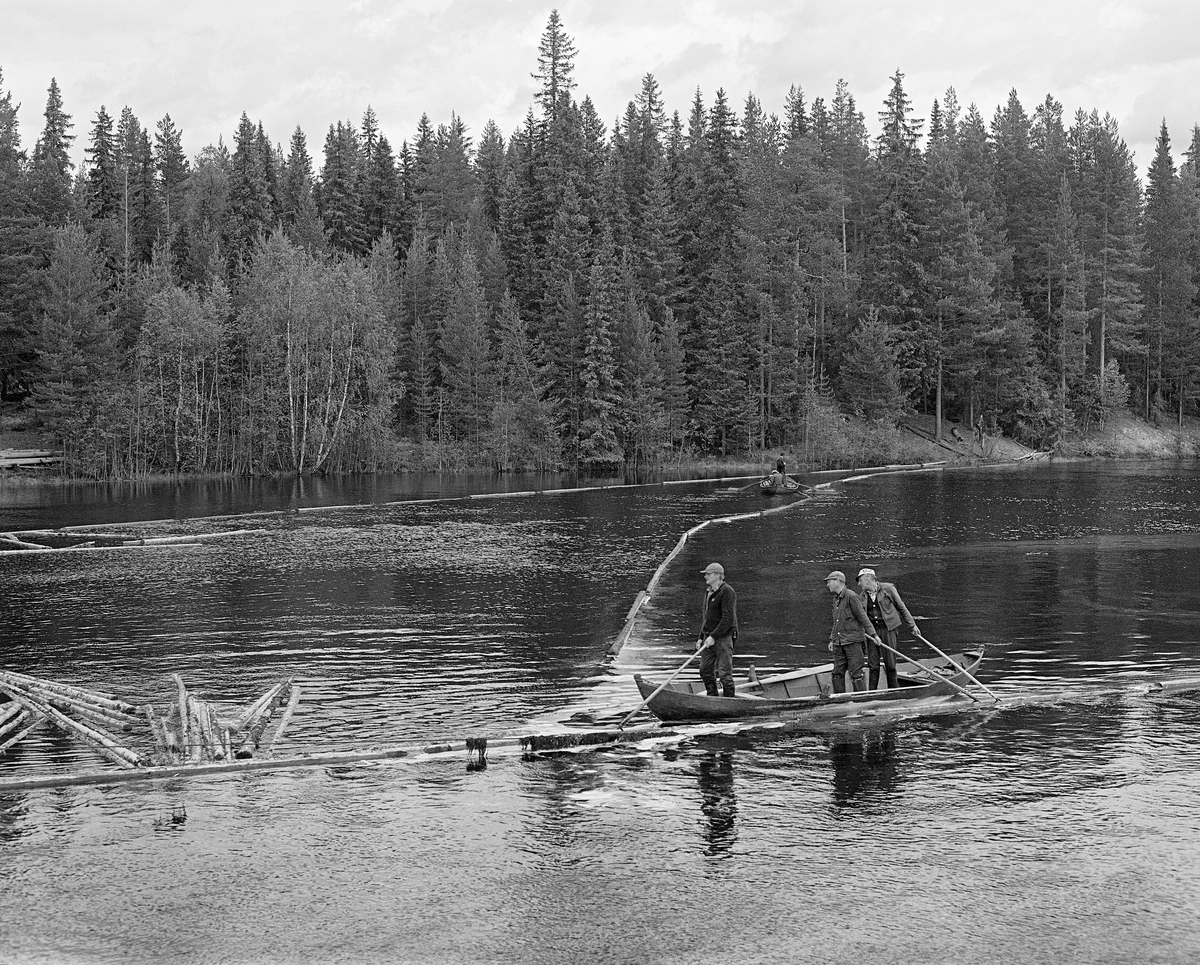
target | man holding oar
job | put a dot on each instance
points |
(851, 628)
(886, 610)
(718, 632)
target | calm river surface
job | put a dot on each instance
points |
(1061, 826)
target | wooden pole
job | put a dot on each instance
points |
(961, 690)
(628, 717)
(964, 670)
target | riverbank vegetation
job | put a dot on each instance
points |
(676, 288)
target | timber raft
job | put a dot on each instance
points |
(192, 737)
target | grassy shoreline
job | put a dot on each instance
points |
(843, 444)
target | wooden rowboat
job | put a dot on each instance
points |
(788, 487)
(923, 685)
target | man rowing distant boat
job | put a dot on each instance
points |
(847, 638)
(718, 632)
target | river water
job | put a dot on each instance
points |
(1061, 824)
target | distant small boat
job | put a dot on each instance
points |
(789, 487)
(807, 693)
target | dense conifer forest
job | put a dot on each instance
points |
(585, 294)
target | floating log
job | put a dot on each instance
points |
(94, 739)
(163, 737)
(11, 709)
(255, 731)
(67, 690)
(531, 743)
(184, 737)
(252, 712)
(28, 722)
(20, 544)
(277, 733)
(91, 716)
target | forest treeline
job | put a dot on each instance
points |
(719, 282)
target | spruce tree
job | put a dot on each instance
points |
(173, 169)
(50, 168)
(103, 191)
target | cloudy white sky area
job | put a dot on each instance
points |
(313, 62)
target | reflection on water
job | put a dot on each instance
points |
(1063, 818)
(864, 767)
(718, 801)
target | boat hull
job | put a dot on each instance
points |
(808, 693)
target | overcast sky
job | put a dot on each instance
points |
(313, 62)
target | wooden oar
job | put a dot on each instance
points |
(966, 673)
(628, 717)
(961, 690)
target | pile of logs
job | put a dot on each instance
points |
(188, 731)
(193, 732)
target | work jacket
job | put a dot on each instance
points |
(850, 622)
(891, 607)
(719, 617)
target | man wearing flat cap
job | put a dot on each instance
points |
(718, 632)
(886, 611)
(847, 638)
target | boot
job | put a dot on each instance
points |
(891, 679)
(727, 690)
(875, 679)
(710, 687)
(839, 683)
(859, 684)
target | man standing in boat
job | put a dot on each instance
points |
(885, 610)
(718, 632)
(847, 638)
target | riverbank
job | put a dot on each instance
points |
(839, 442)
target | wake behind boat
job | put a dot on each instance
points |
(923, 684)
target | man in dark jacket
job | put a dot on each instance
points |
(886, 611)
(847, 637)
(718, 632)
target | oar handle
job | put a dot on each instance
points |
(966, 673)
(628, 717)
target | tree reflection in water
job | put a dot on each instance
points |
(718, 801)
(864, 766)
